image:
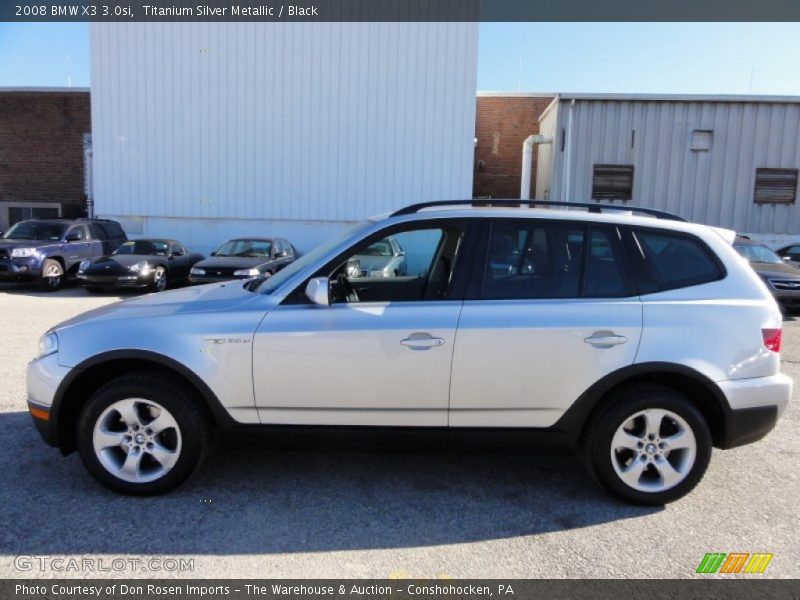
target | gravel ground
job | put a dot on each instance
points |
(261, 512)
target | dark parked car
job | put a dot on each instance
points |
(150, 264)
(782, 279)
(243, 258)
(48, 250)
(790, 253)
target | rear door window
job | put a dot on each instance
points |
(533, 259)
(674, 260)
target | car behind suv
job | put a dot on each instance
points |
(47, 250)
(643, 342)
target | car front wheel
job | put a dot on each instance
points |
(142, 434)
(649, 446)
(52, 276)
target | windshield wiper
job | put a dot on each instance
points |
(252, 284)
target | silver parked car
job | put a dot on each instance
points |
(643, 342)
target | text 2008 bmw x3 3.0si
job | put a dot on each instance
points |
(642, 341)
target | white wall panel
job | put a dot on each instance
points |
(714, 187)
(306, 122)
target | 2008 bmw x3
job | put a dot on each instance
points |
(642, 341)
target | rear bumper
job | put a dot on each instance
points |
(755, 405)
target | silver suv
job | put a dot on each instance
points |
(643, 341)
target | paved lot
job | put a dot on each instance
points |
(364, 513)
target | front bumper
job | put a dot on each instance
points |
(128, 281)
(16, 269)
(217, 278)
(43, 379)
(755, 405)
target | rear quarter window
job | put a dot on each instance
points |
(674, 260)
(112, 229)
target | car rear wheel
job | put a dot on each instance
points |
(52, 276)
(649, 446)
(142, 434)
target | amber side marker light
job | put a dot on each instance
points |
(38, 413)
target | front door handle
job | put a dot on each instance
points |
(422, 341)
(605, 339)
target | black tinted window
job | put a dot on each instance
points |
(529, 259)
(604, 275)
(112, 229)
(675, 260)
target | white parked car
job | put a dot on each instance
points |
(642, 341)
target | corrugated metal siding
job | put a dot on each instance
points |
(714, 187)
(332, 121)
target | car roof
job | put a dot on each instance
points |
(163, 240)
(251, 239)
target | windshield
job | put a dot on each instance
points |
(245, 248)
(271, 284)
(142, 247)
(35, 230)
(757, 253)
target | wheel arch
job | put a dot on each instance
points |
(87, 377)
(699, 389)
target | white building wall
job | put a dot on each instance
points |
(714, 187)
(204, 131)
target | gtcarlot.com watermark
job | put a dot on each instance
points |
(105, 564)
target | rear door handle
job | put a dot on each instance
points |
(605, 339)
(422, 341)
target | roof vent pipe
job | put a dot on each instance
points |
(527, 163)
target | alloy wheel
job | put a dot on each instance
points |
(137, 440)
(653, 450)
(160, 279)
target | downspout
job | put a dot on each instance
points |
(527, 163)
(567, 179)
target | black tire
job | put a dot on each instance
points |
(185, 407)
(597, 442)
(52, 276)
(160, 279)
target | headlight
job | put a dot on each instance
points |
(198, 271)
(48, 344)
(23, 252)
(84, 265)
(141, 267)
(247, 273)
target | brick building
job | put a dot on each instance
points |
(42, 136)
(503, 121)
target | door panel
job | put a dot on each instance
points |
(371, 363)
(522, 363)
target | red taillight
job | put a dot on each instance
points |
(772, 339)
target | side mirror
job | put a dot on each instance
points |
(176, 254)
(317, 290)
(72, 237)
(787, 258)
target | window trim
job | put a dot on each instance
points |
(639, 262)
(477, 283)
(461, 273)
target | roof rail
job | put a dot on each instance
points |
(489, 203)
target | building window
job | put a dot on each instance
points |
(612, 182)
(701, 140)
(775, 186)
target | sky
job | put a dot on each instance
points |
(691, 58)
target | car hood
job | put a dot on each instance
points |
(4, 243)
(203, 298)
(126, 260)
(373, 263)
(232, 262)
(784, 270)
